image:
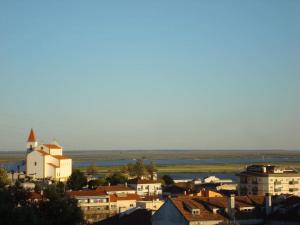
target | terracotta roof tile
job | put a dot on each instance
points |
(60, 157)
(31, 137)
(205, 214)
(52, 146)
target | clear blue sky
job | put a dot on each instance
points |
(151, 74)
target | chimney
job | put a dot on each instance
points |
(231, 206)
(125, 184)
(108, 184)
(268, 203)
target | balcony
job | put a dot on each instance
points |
(293, 182)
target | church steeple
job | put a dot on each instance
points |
(31, 141)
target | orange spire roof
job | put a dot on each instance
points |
(31, 137)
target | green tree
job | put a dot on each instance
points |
(16, 209)
(168, 180)
(96, 183)
(139, 168)
(151, 168)
(77, 180)
(4, 180)
(92, 169)
(117, 178)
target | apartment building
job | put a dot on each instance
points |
(146, 187)
(262, 179)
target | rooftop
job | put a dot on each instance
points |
(31, 136)
(205, 205)
(53, 146)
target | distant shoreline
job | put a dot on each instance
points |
(203, 168)
(84, 155)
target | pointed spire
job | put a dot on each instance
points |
(31, 137)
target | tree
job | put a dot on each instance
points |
(139, 168)
(96, 183)
(91, 170)
(151, 169)
(16, 209)
(168, 180)
(77, 180)
(4, 180)
(117, 178)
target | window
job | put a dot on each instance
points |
(35, 163)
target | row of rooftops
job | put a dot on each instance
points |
(218, 208)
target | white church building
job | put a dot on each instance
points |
(46, 160)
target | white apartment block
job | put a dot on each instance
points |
(145, 187)
(262, 179)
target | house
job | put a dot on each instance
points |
(98, 204)
(46, 160)
(191, 210)
(123, 202)
(262, 179)
(151, 202)
(145, 187)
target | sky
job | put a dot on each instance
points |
(165, 74)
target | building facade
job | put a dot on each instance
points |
(145, 187)
(46, 161)
(262, 179)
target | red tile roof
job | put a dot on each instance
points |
(59, 157)
(31, 137)
(52, 146)
(205, 214)
(217, 202)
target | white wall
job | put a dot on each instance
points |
(34, 165)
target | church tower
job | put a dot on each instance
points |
(31, 141)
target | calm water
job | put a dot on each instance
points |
(13, 166)
(191, 161)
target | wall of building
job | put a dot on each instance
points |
(35, 165)
(148, 189)
(65, 169)
(275, 185)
